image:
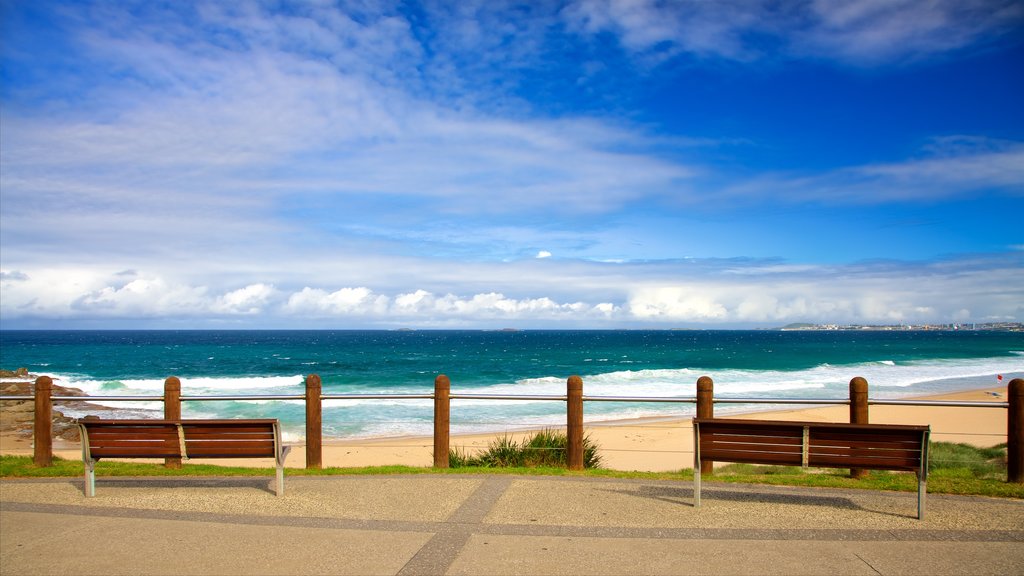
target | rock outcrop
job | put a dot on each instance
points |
(18, 416)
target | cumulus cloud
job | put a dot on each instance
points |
(711, 293)
(882, 293)
(543, 254)
(151, 296)
(312, 301)
(252, 299)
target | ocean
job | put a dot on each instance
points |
(641, 363)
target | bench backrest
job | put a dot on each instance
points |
(230, 438)
(868, 446)
(180, 438)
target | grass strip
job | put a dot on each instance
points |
(947, 480)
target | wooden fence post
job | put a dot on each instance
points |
(706, 409)
(43, 425)
(172, 410)
(574, 423)
(314, 423)
(858, 412)
(1015, 431)
(442, 420)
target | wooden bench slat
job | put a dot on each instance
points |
(253, 454)
(737, 429)
(753, 457)
(859, 443)
(872, 463)
(739, 437)
(133, 452)
(714, 447)
(823, 435)
(196, 447)
(171, 444)
(229, 434)
(191, 430)
(95, 437)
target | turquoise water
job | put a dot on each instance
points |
(808, 364)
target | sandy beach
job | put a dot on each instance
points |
(643, 444)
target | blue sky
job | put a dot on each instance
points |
(584, 164)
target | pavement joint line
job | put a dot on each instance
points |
(441, 551)
(866, 563)
(771, 534)
(470, 517)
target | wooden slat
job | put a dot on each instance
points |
(197, 445)
(894, 451)
(866, 436)
(229, 438)
(784, 431)
(125, 442)
(766, 446)
(868, 444)
(753, 457)
(96, 437)
(752, 440)
(855, 462)
(754, 424)
(172, 429)
(219, 430)
(221, 452)
(133, 452)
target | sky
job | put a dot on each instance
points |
(487, 164)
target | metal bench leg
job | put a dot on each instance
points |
(922, 490)
(90, 477)
(696, 465)
(279, 486)
(696, 486)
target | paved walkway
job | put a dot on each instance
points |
(433, 524)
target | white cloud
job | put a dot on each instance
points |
(704, 293)
(314, 301)
(882, 293)
(252, 299)
(855, 31)
(147, 296)
(543, 254)
(676, 303)
(944, 170)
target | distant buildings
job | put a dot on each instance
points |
(989, 326)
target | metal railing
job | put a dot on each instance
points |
(442, 397)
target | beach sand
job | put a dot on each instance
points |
(652, 445)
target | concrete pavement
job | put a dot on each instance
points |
(434, 524)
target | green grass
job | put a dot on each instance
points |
(954, 469)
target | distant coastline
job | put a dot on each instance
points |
(965, 327)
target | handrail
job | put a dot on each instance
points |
(525, 397)
(574, 399)
(555, 397)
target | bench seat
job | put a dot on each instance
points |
(254, 438)
(813, 444)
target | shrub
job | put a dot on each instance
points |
(545, 448)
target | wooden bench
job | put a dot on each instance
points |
(812, 444)
(180, 439)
